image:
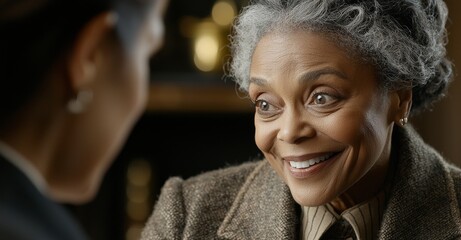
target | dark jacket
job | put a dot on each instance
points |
(251, 202)
(26, 214)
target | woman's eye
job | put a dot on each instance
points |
(262, 105)
(264, 108)
(323, 99)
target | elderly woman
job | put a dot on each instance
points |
(74, 81)
(333, 83)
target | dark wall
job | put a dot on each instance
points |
(188, 144)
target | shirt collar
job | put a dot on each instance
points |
(365, 219)
(20, 162)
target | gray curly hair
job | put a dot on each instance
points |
(404, 39)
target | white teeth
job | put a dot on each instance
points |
(308, 163)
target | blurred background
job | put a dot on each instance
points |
(197, 121)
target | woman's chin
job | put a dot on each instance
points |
(310, 196)
(309, 200)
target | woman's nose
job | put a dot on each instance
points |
(295, 127)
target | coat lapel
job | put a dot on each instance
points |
(263, 209)
(422, 201)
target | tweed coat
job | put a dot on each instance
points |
(251, 202)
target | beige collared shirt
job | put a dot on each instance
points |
(364, 218)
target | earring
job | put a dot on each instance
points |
(403, 121)
(78, 104)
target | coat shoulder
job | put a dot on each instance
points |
(195, 208)
(455, 173)
(221, 180)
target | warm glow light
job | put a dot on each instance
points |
(206, 52)
(223, 12)
(134, 232)
(138, 186)
(137, 211)
(206, 48)
(139, 173)
(204, 67)
(137, 194)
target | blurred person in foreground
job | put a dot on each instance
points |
(74, 81)
(334, 83)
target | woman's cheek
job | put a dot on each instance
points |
(263, 138)
(345, 128)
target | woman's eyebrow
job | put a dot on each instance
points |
(314, 75)
(258, 81)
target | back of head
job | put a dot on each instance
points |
(404, 39)
(37, 34)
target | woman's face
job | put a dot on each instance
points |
(321, 121)
(120, 93)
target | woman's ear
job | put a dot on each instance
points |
(402, 101)
(82, 65)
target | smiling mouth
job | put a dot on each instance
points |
(311, 162)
